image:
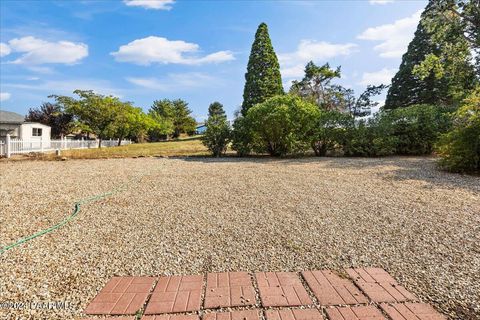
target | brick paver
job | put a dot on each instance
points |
(379, 286)
(411, 311)
(121, 295)
(229, 289)
(176, 294)
(112, 318)
(330, 289)
(234, 315)
(294, 314)
(171, 317)
(354, 313)
(281, 289)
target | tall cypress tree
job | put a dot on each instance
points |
(263, 79)
(409, 88)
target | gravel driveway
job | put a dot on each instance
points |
(184, 216)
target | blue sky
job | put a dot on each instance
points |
(143, 50)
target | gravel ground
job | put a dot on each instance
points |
(184, 216)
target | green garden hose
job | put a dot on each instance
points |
(75, 212)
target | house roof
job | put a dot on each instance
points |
(11, 117)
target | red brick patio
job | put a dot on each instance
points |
(356, 294)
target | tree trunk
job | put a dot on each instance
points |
(119, 141)
(99, 142)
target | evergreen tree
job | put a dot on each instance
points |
(408, 89)
(423, 78)
(218, 133)
(216, 108)
(263, 79)
(174, 116)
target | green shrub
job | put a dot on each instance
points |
(330, 131)
(369, 138)
(416, 128)
(459, 148)
(217, 135)
(282, 125)
(241, 136)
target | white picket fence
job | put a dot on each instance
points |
(18, 146)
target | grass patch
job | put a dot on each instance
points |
(185, 147)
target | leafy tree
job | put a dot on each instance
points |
(216, 108)
(369, 138)
(462, 17)
(182, 120)
(263, 79)
(161, 112)
(282, 125)
(436, 68)
(54, 116)
(173, 117)
(330, 131)
(416, 128)
(362, 106)
(218, 134)
(459, 149)
(241, 136)
(316, 85)
(95, 112)
(131, 123)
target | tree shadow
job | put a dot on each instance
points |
(397, 168)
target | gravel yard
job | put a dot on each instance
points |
(187, 216)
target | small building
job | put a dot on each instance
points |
(200, 129)
(15, 125)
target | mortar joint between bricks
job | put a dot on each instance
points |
(315, 302)
(258, 302)
(203, 291)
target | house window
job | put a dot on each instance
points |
(36, 132)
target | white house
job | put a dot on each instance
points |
(15, 125)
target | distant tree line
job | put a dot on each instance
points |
(107, 117)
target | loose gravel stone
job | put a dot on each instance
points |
(197, 215)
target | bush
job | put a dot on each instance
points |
(369, 138)
(459, 148)
(282, 125)
(241, 136)
(330, 131)
(217, 135)
(416, 128)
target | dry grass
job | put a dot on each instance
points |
(186, 147)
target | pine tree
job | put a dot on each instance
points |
(408, 89)
(435, 86)
(263, 79)
(216, 108)
(218, 132)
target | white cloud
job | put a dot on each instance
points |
(151, 4)
(161, 50)
(380, 1)
(5, 96)
(293, 64)
(174, 81)
(4, 49)
(37, 51)
(68, 86)
(376, 78)
(394, 37)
